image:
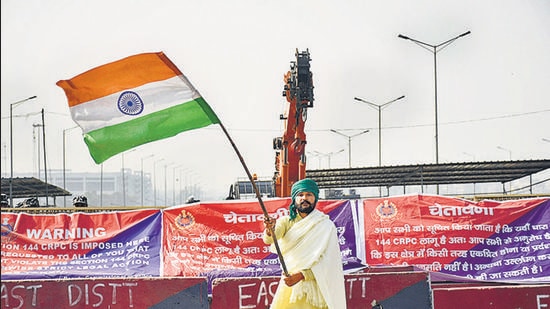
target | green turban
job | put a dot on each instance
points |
(304, 185)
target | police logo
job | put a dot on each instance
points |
(7, 231)
(386, 210)
(184, 220)
(130, 103)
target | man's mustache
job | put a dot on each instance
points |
(305, 202)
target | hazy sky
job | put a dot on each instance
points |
(492, 84)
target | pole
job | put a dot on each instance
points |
(123, 182)
(349, 137)
(510, 157)
(12, 105)
(349, 152)
(64, 168)
(258, 196)
(101, 187)
(64, 176)
(142, 203)
(155, 181)
(434, 49)
(379, 108)
(44, 146)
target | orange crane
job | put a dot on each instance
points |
(290, 158)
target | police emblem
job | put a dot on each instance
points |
(184, 220)
(386, 210)
(7, 231)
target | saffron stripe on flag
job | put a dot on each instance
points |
(127, 73)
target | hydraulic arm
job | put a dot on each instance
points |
(290, 159)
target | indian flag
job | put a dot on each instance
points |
(134, 101)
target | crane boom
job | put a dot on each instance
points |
(290, 159)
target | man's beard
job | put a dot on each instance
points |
(305, 207)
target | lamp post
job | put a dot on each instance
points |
(349, 137)
(508, 150)
(434, 49)
(328, 155)
(471, 155)
(64, 169)
(379, 108)
(12, 105)
(510, 157)
(316, 154)
(124, 178)
(142, 159)
(174, 183)
(166, 183)
(101, 186)
(36, 138)
(155, 181)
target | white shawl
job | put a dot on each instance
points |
(312, 243)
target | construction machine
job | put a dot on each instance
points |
(290, 158)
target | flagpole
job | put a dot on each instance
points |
(266, 214)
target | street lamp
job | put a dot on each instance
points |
(142, 159)
(174, 183)
(12, 105)
(379, 107)
(349, 141)
(316, 154)
(508, 150)
(64, 177)
(510, 157)
(124, 178)
(434, 49)
(471, 155)
(155, 180)
(166, 183)
(328, 155)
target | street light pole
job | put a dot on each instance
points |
(12, 105)
(174, 183)
(64, 169)
(124, 178)
(166, 183)
(508, 150)
(328, 155)
(510, 157)
(379, 107)
(142, 159)
(349, 137)
(434, 49)
(155, 181)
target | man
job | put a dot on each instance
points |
(308, 242)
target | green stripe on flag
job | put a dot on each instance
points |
(109, 141)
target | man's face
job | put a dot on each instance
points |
(305, 202)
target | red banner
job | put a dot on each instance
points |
(122, 243)
(508, 241)
(225, 239)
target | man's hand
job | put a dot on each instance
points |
(292, 279)
(269, 225)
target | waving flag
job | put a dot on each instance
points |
(134, 101)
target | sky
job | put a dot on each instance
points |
(492, 84)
